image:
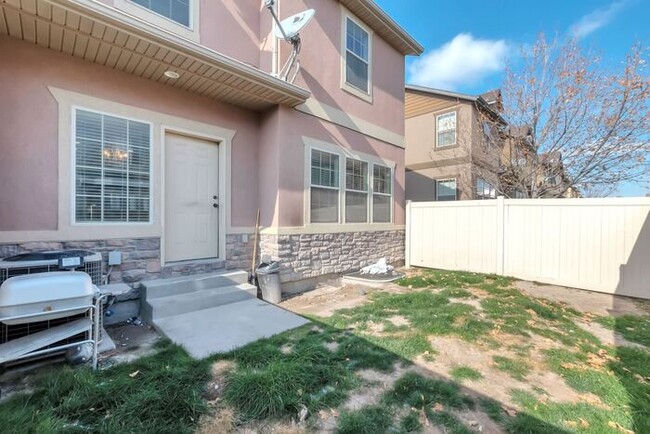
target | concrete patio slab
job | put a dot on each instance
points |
(223, 328)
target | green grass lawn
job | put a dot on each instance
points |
(316, 368)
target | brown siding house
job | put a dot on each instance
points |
(451, 153)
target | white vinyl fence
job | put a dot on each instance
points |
(596, 244)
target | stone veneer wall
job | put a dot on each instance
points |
(301, 257)
(308, 256)
(141, 257)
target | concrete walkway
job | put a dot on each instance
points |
(223, 328)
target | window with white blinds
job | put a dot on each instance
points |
(175, 10)
(382, 193)
(324, 187)
(364, 196)
(112, 169)
(356, 191)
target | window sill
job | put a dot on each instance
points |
(367, 97)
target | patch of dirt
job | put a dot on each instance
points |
(376, 384)
(495, 383)
(477, 421)
(215, 387)
(399, 321)
(286, 349)
(218, 420)
(585, 301)
(324, 300)
(332, 346)
(607, 336)
(475, 303)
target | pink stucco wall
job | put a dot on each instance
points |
(294, 127)
(29, 129)
(321, 67)
(240, 29)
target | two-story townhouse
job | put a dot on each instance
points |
(160, 128)
(454, 145)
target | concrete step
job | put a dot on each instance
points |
(186, 284)
(156, 308)
(224, 328)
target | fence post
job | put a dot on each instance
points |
(500, 235)
(407, 240)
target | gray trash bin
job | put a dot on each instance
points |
(268, 279)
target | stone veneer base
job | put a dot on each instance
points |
(302, 257)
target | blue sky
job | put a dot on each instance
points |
(468, 43)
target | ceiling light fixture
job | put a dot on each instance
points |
(172, 74)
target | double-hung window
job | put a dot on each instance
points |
(446, 130)
(175, 10)
(112, 176)
(446, 189)
(382, 193)
(325, 190)
(365, 193)
(356, 191)
(357, 56)
(485, 190)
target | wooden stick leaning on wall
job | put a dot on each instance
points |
(257, 231)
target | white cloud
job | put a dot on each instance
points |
(596, 19)
(462, 61)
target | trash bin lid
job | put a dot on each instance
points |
(268, 268)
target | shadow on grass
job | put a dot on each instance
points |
(632, 366)
(316, 366)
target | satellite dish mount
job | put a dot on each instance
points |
(289, 30)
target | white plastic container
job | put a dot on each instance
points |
(45, 292)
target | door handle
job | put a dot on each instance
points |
(215, 205)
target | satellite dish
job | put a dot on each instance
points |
(289, 30)
(290, 27)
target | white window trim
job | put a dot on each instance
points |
(152, 17)
(73, 172)
(438, 116)
(446, 180)
(344, 154)
(366, 96)
(337, 189)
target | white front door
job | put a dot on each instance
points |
(191, 196)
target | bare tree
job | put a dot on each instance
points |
(574, 123)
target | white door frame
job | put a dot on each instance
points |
(224, 144)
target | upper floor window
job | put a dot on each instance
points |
(446, 189)
(112, 170)
(176, 10)
(357, 69)
(446, 130)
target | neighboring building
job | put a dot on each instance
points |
(552, 179)
(158, 129)
(453, 145)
